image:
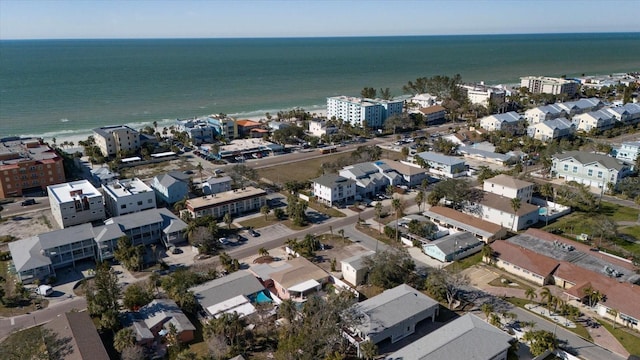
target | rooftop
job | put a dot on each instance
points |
(586, 158)
(16, 150)
(432, 109)
(147, 217)
(224, 197)
(301, 270)
(159, 310)
(451, 243)
(357, 261)
(405, 169)
(122, 188)
(503, 203)
(81, 339)
(227, 287)
(509, 181)
(331, 180)
(463, 221)
(106, 131)
(71, 191)
(439, 158)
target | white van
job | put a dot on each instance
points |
(44, 290)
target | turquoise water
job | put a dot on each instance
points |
(66, 87)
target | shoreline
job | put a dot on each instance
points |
(81, 135)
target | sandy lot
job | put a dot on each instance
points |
(28, 225)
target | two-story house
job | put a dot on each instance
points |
(588, 168)
(628, 151)
(551, 129)
(596, 120)
(511, 122)
(171, 187)
(544, 113)
(443, 165)
(371, 177)
(508, 186)
(332, 189)
(128, 196)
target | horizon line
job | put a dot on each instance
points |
(314, 36)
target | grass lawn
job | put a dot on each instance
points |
(498, 282)
(466, 262)
(26, 306)
(259, 222)
(373, 232)
(629, 341)
(619, 213)
(329, 211)
(290, 225)
(27, 342)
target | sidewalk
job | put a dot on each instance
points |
(558, 319)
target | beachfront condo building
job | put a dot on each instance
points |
(549, 85)
(359, 112)
(75, 203)
(116, 140)
(128, 196)
(28, 166)
(224, 126)
(484, 95)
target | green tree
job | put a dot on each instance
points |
(487, 309)
(388, 269)
(265, 210)
(368, 350)
(487, 253)
(103, 295)
(287, 309)
(263, 252)
(124, 338)
(228, 220)
(515, 205)
(378, 210)
(530, 294)
(420, 199)
(136, 296)
(130, 256)
(540, 341)
(229, 325)
(368, 92)
(398, 207)
(545, 295)
(386, 94)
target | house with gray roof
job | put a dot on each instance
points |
(628, 151)
(371, 178)
(590, 169)
(581, 106)
(79, 336)
(453, 247)
(595, 120)
(544, 113)
(484, 154)
(103, 175)
(171, 187)
(467, 337)
(392, 315)
(552, 129)
(236, 292)
(627, 113)
(353, 268)
(447, 166)
(158, 315)
(331, 189)
(215, 185)
(511, 122)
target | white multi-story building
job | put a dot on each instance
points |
(320, 128)
(128, 196)
(358, 111)
(544, 113)
(551, 129)
(198, 130)
(113, 140)
(225, 126)
(484, 95)
(588, 168)
(371, 178)
(331, 189)
(628, 151)
(423, 100)
(596, 120)
(510, 122)
(75, 203)
(508, 186)
(549, 85)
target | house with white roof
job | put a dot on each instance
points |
(628, 151)
(544, 113)
(371, 177)
(123, 197)
(447, 166)
(596, 120)
(589, 168)
(331, 189)
(237, 292)
(297, 279)
(157, 316)
(467, 337)
(171, 187)
(75, 203)
(319, 128)
(424, 100)
(392, 315)
(510, 122)
(549, 130)
(412, 174)
(453, 247)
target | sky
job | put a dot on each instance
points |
(95, 19)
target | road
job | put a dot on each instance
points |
(13, 209)
(15, 323)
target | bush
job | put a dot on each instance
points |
(5, 255)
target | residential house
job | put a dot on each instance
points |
(216, 185)
(500, 210)
(424, 100)
(453, 219)
(299, 279)
(353, 268)
(596, 120)
(412, 175)
(278, 125)
(234, 202)
(127, 196)
(505, 185)
(443, 165)
(371, 178)
(28, 165)
(484, 95)
(544, 113)
(360, 112)
(171, 187)
(225, 127)
(549, 85)
(589, 168)
(246, 126)
(467, 337)
(117, 139)
(237, 292)
(628, 113)
(581, 106)
(453, 247)
(486, 154)
(550, 130)
(333, 189)
(103, 175)
(198, 130)
(523, 262)
(75, 203)
(392, 315)
(433, 115)
(159, 315)
(628, 151)
(78, 336)
(510, 122)
(319, 128)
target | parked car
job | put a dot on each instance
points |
(28, 202)
(253, 233)
(223, 241)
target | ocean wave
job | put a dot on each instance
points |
(64, 120)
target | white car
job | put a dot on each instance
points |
(223, 241)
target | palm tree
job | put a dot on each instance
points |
(530, 294)
(123, 339)
(515, 205)
(199, 167)
(397, 206)
(265, 210)
(545, 295)
(420, 199)
(287, 309)
(487, 309)
(341, 233)
(228, 220)
(389, 190)
(368, 350)
(263, 252)
(614, 312)
(487, 253)
(378, 210)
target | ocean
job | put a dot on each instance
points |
(64, 88)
